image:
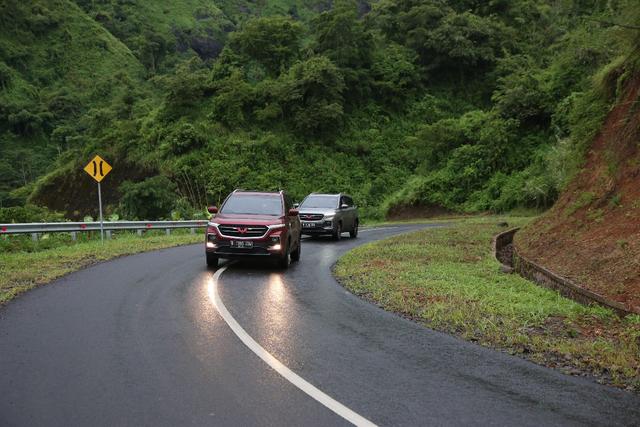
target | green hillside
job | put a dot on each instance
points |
(56, 65)
(463, 105)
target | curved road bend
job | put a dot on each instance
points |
(138, 341)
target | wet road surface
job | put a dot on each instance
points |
(138, 341)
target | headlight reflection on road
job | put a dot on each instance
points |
(272, 307)
(275, 288)
(274, 310)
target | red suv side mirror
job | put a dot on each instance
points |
(212, 209)
(293, 212)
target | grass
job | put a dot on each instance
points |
(448, 279)
(372, 222)
(21, 271)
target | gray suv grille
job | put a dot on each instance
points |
(311, 217)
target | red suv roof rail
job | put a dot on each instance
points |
(242, 190)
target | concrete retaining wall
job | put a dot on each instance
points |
(544, 277)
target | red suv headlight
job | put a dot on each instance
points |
(276, 227)
(274, 238)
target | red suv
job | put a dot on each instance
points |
(254, 224)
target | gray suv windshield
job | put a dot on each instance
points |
(320, 202)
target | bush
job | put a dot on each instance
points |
(29, 213)
(151, 199)
(185, 211)
(182, 138)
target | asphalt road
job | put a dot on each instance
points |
(138, 341)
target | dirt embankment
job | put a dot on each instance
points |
(72, 191)
(592, 234)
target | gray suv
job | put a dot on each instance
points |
(331, 214)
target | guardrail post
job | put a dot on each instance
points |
(139, 232)
(192, 230)
(74, 236)
(168, 231)
(34, 237)
(108, 234)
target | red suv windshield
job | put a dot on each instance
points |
(253, 204)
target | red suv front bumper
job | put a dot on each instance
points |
(222, 241)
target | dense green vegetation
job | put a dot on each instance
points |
(464, 104)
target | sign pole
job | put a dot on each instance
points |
(101, 222)
(98, 169)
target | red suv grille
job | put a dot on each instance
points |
(243, 230)
(311, 217)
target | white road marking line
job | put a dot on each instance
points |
(278, 366)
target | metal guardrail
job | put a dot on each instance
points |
(37, 228)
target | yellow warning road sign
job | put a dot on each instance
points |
(98, 168)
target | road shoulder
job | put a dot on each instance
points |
(448, 280)
(23, 271)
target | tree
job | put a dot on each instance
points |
(313, 95)
(151, 47)
(274, 42)
(232, 96)
(25, 122)
(186, 86)
(521, 93)
(395, 76)
(443, 38)
(342, 37)
(5, 76)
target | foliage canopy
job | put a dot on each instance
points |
(464, 104)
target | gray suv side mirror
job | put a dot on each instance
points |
(344, 206)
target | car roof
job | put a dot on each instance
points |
(257, 193)
(329, 194)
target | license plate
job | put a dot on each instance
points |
(243, 244)
(308, 224)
